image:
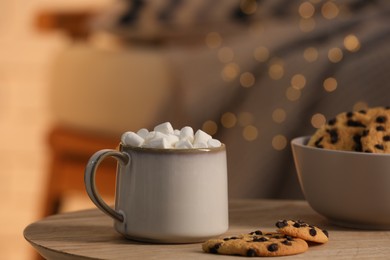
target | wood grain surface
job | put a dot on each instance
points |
(89, 234)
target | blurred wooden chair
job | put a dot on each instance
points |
(70, 151)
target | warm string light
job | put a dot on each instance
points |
(210, 127)
(276, 69)
(360, 106)
(231, 70)
(351, 43)
(335, 55)
(330, 84)
(310, 54)
(248, 7)
(330, 10)
(228, 120)
(247, 79)
(279, 142)
(279, 115)
(318, 120)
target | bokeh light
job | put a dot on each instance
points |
(248, 6)
(330, 10)
(310, 54)
(279, 115)
(318, 120)
(213, 40)
(230, 71)
(261, 54)
(306, 10)
(279, 142)
(351, 43)
(276, 69)
(298, 81)
(250, 133)
(335, 55)
(225, 54)
(210, 127)
(360, 106)
(330, 84)
(247, 79)
(228, 120)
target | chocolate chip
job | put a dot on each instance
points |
(317, 143)
(260, 239)
(349, 114)
(297, 225)
(287, 242)
(362, 112)
(358, 148)
(230, 238)
(381, 119)
(214, 249)
(379, 147)
(273, 247)
(332, 121)
(325, 232)
(334, 136)
(281, 223)
(289, 238)
(365, 132)
(386, 138)
(312, 232)
(356, 138)
(251, 252)
(380, 128)
(354, 123)
(358, 144)
(367, 151)
(257, 232)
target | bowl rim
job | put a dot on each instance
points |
(302, 141)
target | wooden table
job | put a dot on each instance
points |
(89, 234)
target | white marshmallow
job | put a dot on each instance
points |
(201, 138)
(213, 143)
(184, 144)
(200, 145)
(172, 139)
(152, 136)
(165, 137)
(187, 133)
(143, 132)
(131, 138)
(160, 143)
(165, 128)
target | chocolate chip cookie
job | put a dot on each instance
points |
(361, 131)
(256, 243)
(302, 230)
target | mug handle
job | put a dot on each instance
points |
(90, 183)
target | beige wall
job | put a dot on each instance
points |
(25, 57)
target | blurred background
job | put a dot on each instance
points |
(76, 74)
(26, 55)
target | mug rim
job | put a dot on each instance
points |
(172, 150)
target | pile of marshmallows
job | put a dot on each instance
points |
(165, 137)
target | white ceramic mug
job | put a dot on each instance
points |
(165, 195)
